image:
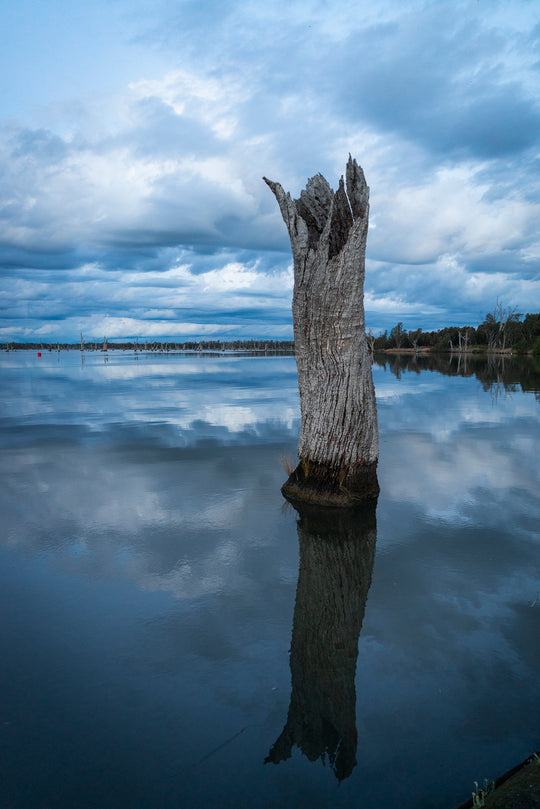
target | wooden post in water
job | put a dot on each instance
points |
(339, 444)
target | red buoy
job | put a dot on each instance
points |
(39, 353)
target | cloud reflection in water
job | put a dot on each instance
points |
(143, 532)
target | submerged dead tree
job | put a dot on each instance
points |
(338, 447)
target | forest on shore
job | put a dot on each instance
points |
(504, 330)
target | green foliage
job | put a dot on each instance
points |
(521, 347)
(415, 337)
(398, 335)
(536, 347)
(502, 329)
(531, 326)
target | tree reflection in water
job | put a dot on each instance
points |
(337, 549)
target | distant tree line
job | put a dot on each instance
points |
(501, 330)
(161, 346)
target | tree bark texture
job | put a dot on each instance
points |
(338, 447)
(337, 549)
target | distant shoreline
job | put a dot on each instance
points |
(427, 350)
(157, 347)
(240, 347)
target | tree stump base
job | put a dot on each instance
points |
(316, 483)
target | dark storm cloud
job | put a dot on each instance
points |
(440, 81)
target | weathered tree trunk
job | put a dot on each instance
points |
(338, 447)
(337, 550)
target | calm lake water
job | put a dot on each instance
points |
(173, 634)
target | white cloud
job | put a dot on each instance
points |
(450, 213)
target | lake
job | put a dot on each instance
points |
(174, 634)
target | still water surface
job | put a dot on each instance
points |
(172, 634)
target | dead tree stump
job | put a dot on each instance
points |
(339, 445)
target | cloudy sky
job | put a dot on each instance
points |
(134, 136)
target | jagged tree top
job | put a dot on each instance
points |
(326, 218)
